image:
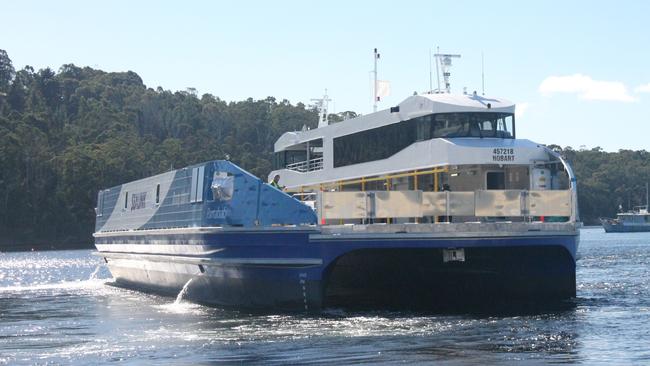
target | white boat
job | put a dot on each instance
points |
(636, 220)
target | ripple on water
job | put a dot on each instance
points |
(53, 311)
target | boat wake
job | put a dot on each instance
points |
(179, 298)
(182, 307)
(64, 285)
(95, 272)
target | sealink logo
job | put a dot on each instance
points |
(138, 201)
(220, 212)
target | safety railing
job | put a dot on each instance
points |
(307, 165)
(415, 204)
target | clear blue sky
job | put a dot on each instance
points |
(579, 70)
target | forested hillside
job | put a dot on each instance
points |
(608, 179)
(65, 134)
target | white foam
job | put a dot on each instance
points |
(180, 308)
(179, 298)
(95, 272)
(64, 285)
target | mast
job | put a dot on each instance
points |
(374, 100)
(445, 63)
(322, 104)
(482, 75)
(437, 69)
(430, 73)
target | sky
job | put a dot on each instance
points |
(579, 71)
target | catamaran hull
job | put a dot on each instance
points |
(300, 271)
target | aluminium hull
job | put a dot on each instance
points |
(306, 269)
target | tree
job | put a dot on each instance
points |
(64, 135)
(7, 72)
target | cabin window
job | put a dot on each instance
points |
(505, 126)
(100, 203)
(496, 180)
(294, 156)
(196, 190)
(278, 160)
(158, 193)
(126, 199)
(481, 124)
(424, 130)
(375, 144)
(304, 157)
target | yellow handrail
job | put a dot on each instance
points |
(364, 180)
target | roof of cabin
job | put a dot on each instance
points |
(411, 107)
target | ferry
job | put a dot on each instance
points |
(430, 204)
(634, 221)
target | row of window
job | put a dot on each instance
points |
(383, 142)
(138, 200)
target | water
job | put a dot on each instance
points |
(55, 310)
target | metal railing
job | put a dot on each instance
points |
(414, 204)
(307, 165)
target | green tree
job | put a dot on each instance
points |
(7, 72)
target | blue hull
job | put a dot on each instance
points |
(305, 270)
(246, 244)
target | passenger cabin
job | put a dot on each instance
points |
(639, 215)
(427, 143)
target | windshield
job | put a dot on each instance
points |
(481, 124)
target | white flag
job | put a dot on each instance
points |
(383, 88)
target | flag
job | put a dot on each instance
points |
(383, 88)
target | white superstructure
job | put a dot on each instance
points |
(429, 142)
(310, 157)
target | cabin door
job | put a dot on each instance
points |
(495, 180)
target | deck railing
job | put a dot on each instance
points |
(307, 165)
(416, 204)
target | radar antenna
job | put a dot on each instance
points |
(321, 104)
(444, 60)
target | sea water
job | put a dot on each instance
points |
(56, 307)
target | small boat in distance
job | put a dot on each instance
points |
(634, 221)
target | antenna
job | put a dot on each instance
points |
(375, 57)
(445, 63)
(437, 71)
(482, 74)
(322, 104)
(430, 72)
